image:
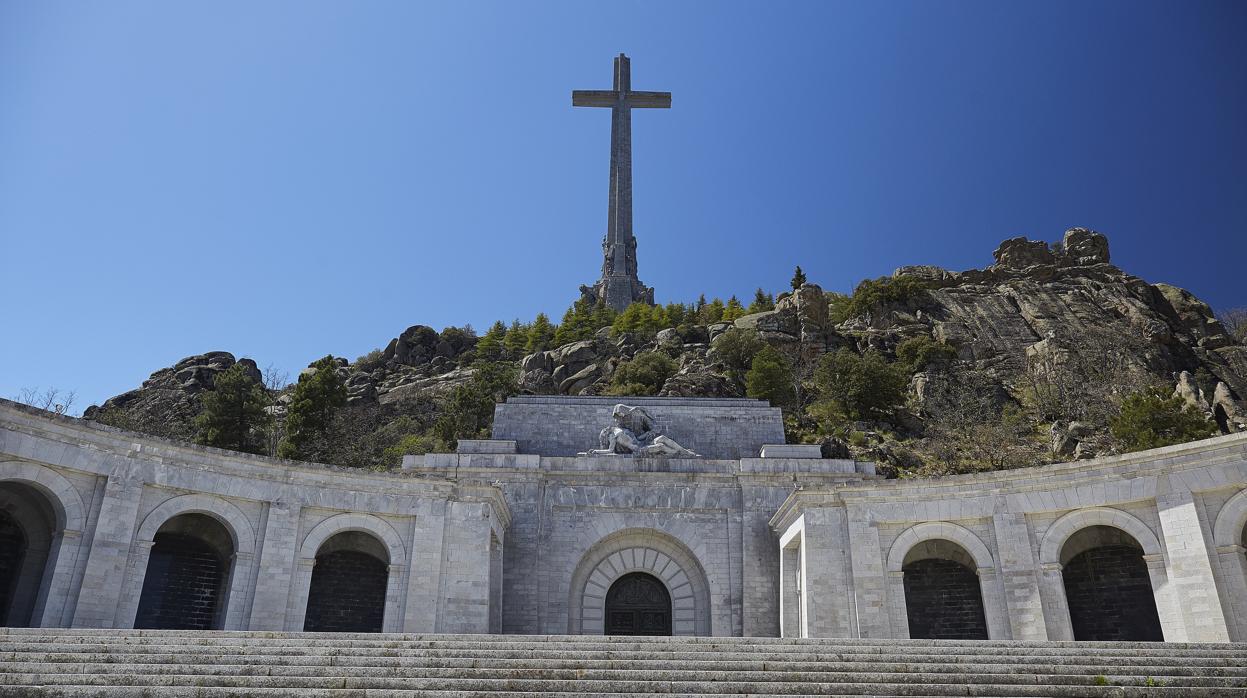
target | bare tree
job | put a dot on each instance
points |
(1084, 378)
(973, 424)
(52, 399)
(276, 380)
(1235, 322)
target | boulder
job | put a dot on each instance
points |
(414, 347)
(537, 382)
(1020, 253)
(539, 361)
(573, 384)
(1190, 392)
(1084, 247)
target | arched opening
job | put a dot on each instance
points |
(638, 604)
(347, 592)
(28, 524)
(943, 599)
(185, 585)
(1108, 588)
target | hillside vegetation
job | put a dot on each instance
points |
(1050, 354)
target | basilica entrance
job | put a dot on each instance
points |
(638, 604)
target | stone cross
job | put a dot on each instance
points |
(619, 285)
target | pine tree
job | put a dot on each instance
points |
(565, 333)
(711, 312)
(515, 340)
(489, 348)
(733, 310)
(233, 414)
(798, 278)
(540, 334)
(316, 397)
(770, 378)
(762, 302)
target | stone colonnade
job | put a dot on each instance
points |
(111, 494)
(1180, 511)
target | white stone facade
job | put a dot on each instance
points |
(1184, 506)
(762, 540)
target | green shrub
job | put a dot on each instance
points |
(864, 386)
(1149, 419)
(369, 361)
(922, 352)
(770, 378)
(891, 290)
(735, 348)
(643, 375)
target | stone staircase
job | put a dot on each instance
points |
(45, 662)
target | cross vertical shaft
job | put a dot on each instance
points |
(619, 285)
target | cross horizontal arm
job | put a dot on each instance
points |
(653, 100)
(594, 98)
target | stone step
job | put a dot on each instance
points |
(104, 674)
(117, 635)
(332, 665)
(605, 644)
(877, 691)
(299, 686)
(56, 663)
(980, 654)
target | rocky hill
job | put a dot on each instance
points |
(1052, 334)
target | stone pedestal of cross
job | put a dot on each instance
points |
(619, 285)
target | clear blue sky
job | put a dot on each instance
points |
(283, 180)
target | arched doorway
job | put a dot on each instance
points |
(185, 584)
(1108, 588)
(638, 604)
(943, 597)
(347, 592)
(27, 526)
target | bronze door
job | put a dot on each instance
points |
(638, 604)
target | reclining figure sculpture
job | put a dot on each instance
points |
(634, 434)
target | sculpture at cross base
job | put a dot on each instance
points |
(635, 434)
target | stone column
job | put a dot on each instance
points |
(301, 585)
(1189, 569)
(103, 579)
(50, 607)
(791, 590)
(425, 573)
(869, 592)
(240, 585)
(1168, 607)
(132, 587)
(395, 585)
(1019, 577)
(465, 569)
(275, 555)
(994, 610)
(1055, 606)
(897, 610)
(1233, 562)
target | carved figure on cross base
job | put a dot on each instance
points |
(634, 434)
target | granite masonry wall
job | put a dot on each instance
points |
(494, 538)
(110, 492)
(1045, 543)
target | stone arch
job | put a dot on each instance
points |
(49, 606)
(640, 550)
(1231, 522)
(1069, 524)
(224, 511)
(940, 530)
(340, 523)
(1053, 557)
(65, 499)
(1229, 536)
(240, 568)
(396, 566)
(995, 615)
